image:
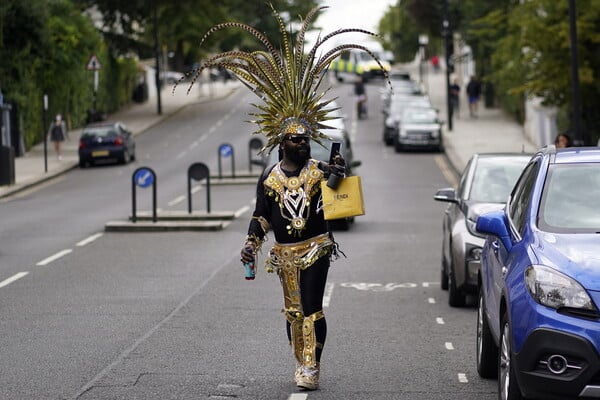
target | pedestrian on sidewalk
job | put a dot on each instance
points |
(455, 98)
(57, 134)
(473, 93)
(562, 140)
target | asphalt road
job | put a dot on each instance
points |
(93, 315)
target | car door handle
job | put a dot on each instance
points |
(495, 246)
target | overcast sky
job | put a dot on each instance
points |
(364, 14)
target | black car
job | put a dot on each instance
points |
(106, 142)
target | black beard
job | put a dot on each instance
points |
(299, 154)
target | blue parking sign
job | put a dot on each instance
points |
(225, 150)
(144, 177)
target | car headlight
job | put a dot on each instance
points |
(554, 289)
(392, 122)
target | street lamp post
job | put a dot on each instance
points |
(447, 34)
(423, 41)
(578, 135)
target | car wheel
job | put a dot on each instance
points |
(339, 224)
(456, 298)
(487, 351)
(125, 157)
(397, 146)
(508, 387)
(444, 276)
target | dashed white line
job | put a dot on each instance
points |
(196, 189)
(176, 200)
(431, 300)
(449, 346)
(462, 378)
(89, 239)
(241, 211)
(54, 257)
(12, 279)
(425, 284)
(327, 296)
(440, 320)
(298, 396)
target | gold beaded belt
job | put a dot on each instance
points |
(300, 254)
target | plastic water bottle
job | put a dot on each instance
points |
(250, 270)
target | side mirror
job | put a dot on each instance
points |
(494, 223)
(447, 194)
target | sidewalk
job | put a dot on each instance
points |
(30, 169)
(492, 131)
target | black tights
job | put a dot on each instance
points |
(312, 288)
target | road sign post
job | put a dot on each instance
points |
(143, 177)
(93, 64)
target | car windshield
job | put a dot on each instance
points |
(101, 132)
(419, 116)
(570, 199)
(495, 177)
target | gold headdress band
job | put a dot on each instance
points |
(286, 80)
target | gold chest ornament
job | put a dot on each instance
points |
(294, 193)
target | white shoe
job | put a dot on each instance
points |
(59, 158)
(308, 378)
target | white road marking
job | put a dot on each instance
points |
(197, 188)
(327, 296)
(53, 257)
(440, 320)
(241, 211)
(181, 155)
(176, 200)
(194, 145)
(431, 300)
(425, 284)
(12, 279)
(298, 396)
(449, 346)
(462, 378)
(89, 239)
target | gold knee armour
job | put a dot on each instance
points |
(309, 353)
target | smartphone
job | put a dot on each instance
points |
(335, 149)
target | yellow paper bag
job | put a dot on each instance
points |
(344, 202)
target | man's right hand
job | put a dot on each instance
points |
(247, 253)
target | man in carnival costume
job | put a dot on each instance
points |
(289, 193)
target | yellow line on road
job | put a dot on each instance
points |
(442, 164)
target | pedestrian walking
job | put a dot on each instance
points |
(455, 98)
(361, 96)
(288, 194)
(57, 134)
(473, 94)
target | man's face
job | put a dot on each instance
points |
(297, 148)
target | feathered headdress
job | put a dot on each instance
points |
(287, 80)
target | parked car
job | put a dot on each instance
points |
(393, 117)
(105, 142)
(538, 324)
(484, 185)
(420, 127)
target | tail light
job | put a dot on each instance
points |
(118, 141)
(82, 144)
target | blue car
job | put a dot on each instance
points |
(538, 321)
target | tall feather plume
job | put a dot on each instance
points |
(286, 80)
